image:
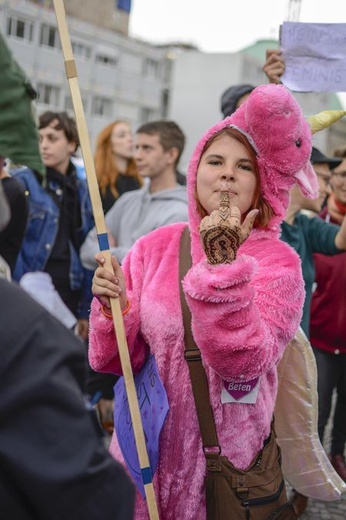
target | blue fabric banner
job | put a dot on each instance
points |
(153, 404)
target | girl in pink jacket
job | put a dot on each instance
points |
(245, 292)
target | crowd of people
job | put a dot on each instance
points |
(318, 242)
(245, 209)
(157, 148)
(54, 463)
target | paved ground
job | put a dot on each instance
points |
(317, 510)
(325, 511)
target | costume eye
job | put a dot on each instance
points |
(298, 143)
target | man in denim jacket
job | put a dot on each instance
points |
(60, 217)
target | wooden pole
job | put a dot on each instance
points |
(71, 73)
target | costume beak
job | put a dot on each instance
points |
(307, 181)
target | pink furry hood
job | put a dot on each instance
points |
(273, 122)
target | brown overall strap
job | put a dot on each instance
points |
(193, 355)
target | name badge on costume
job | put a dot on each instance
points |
(244, 392)
(153, 404)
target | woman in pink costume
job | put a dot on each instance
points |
(246, 304)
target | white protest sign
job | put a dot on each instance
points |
(315, 56)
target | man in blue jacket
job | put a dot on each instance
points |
(60, 216)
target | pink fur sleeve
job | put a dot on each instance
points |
(103, 350)
(245, 313)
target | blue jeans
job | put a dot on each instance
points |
(331, 370)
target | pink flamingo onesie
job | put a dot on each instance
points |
(243, 313)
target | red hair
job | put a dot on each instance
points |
(106, 169)
(258, 202)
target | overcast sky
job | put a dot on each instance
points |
(223, 25)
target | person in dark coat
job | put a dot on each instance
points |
(54, 463)
(53, 460)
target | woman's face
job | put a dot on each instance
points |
(338, 182)
(122, 141)
(226, 166)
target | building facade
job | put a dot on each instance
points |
(124, 78)
(119, 77)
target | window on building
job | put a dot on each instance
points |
(81, 50)
(103, 59)
(147, 115)
(20, 28)
(48, 94)
(151, 68)
(49, 36)
(102, 106)
(165, 103)
(69, 105)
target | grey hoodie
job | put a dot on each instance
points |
(133, 215)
